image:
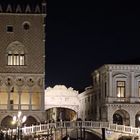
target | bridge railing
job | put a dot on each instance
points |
(78, 124)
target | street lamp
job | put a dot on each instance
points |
(19, 119)
(139, 118)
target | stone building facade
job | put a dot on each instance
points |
(22, 61)
(61, 103)
(87, 104)
(116, 93)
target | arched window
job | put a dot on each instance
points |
(15, 54)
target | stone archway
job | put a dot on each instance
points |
(137, 119)
(121, 117)
(125, 138)
(7, 122)
(62, 97)
(30, 121)
(117, 118)
(59, 113)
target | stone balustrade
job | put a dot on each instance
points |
(42, 128)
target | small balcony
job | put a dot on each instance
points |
(117, 100)
(122, 100)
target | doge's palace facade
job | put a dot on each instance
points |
(22, 61)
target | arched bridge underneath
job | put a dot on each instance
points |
(59, 130)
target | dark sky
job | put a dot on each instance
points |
(83, 35)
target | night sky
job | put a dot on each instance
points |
(83, 35)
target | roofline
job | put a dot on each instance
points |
(26, 14)
(107, 66)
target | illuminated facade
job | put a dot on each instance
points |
(87, 104)
(115, 94)
(61, 103)
(22, 61)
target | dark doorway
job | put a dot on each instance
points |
(121, 117)
(30, 121)
(117, 119)
(137, 120)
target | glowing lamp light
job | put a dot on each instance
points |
(19, 119)
(14, 119)
(24, 119)
(139, 118)
(19, 114)
(13, 122)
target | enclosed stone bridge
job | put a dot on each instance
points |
(59, 130)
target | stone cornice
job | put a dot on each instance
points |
(122, 67)
(111, 67)
(124, 104)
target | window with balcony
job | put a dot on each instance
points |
(121, 89)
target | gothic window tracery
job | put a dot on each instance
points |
(15, 54)
(30, 82)
(40, 82)
(9, 81)
(19, 81)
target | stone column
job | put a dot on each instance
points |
(132, 92)
(132, 116)
(78, 113)
(110, 84)
(109, 114)
(98, 108)
(19, 93)
(97, 115)
(30, 100)
(42, 97)
(8, 103)
(54, 116)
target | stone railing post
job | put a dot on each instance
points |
(40, 127)
(32, 128)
